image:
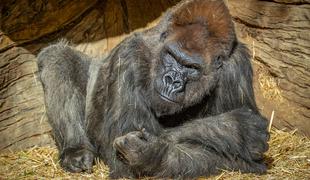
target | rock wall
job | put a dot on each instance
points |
(278, 34)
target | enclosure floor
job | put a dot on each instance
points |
(288, 158)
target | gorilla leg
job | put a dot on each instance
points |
(64, 74)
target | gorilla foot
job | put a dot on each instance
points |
(77, 160)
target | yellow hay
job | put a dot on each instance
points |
(287, 158)
(269, 86)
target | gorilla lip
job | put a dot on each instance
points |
(166, 98)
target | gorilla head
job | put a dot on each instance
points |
(187, 50)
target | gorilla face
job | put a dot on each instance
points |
(185, 72)
(182, 79)
(176, 70)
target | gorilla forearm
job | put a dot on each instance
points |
(236, 140)
(229, 132)
(187, 160)
(206, 145)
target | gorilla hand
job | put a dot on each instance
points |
(134, 147)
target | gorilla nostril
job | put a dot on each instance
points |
(177, 84)
(168, 79)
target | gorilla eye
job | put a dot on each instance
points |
(163, 36)
(192, 71)
(192, 66)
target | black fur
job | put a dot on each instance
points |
(113, 107)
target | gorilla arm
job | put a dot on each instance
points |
(199, 148)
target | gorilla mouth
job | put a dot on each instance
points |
(165, 98)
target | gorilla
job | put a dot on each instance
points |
(173, 101)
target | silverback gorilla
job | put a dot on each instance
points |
(172, 101)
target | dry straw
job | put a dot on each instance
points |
(287, 158)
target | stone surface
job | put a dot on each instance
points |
(278, 34)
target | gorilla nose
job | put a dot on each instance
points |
(174, 80)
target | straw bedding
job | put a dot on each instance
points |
(287, 158)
